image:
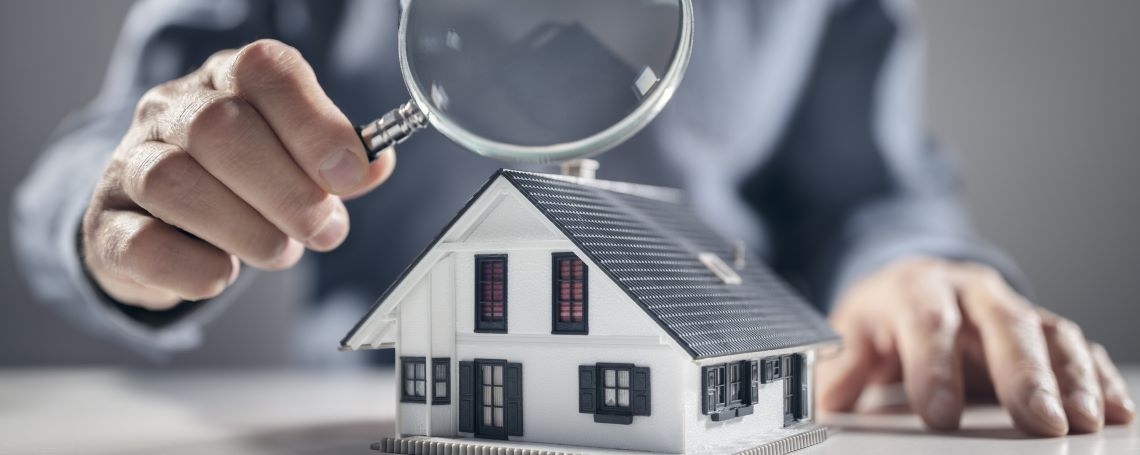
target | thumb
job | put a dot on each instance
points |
(378, 172)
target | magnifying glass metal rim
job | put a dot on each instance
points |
(400, 123)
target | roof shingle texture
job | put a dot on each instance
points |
(649, 247)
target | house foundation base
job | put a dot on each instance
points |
(807, 435)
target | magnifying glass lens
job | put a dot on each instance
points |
(539, 72)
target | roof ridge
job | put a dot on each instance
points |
(660, 193)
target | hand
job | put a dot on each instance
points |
(954, 331)
(245, 159)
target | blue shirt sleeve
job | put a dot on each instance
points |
(161, 40)
(854, 182)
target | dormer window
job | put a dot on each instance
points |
(569, 309)
(491, 293)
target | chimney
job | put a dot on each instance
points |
(584, 169)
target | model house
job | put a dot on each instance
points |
(560, 314)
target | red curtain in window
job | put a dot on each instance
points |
(491, 290)
(571, 290)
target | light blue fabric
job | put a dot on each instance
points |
(798, 129)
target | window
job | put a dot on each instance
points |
(735, 383)
(491, 293)
(777, 368)
(730, 389)
(570, 301)
(615, 389)
(415, 379)
(441, 381)
(613, 392)
(491, 398)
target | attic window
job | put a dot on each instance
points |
(719, 268)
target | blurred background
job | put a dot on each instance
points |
(1039, 99)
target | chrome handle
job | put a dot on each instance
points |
(391, 129)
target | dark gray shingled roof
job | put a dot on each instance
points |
(649, 247)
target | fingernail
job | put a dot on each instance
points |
(342, 172)
(1088, 405)
(1048, 407)
(334, 232)
(1128, 404)
(942, 409)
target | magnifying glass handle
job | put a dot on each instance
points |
(391, 129)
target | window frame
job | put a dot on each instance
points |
(618, 368)
(568, 328)
(410, 396)
(482, 326)
(717, 385)
(437, 381)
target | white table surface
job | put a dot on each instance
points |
(289, 412)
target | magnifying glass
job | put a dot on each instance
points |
(536, 80)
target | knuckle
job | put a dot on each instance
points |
(940, 319)
(1009, 308)
(1067, 330)
(137, 247)
(160, 178)
(266, 63)
(154, 101)
(211, 115)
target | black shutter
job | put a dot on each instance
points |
(467, 397)
(587, 389)
(797, 382)
(754, 376)
(708, 389)
(514, 399)
(639, 391)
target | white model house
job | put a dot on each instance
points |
(563, 314)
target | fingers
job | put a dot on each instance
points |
(927, 324)
(1016, 354)
(1118, 405)
(277, 81)
(1076, 375)
(170, 185)
(843, 376)
(228, 138)
(378, 173)
(152, 261)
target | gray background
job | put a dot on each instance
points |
(1038, 98)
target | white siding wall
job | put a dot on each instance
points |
(503, 222)
(413, 342)
(550, 393)
(620, 332)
